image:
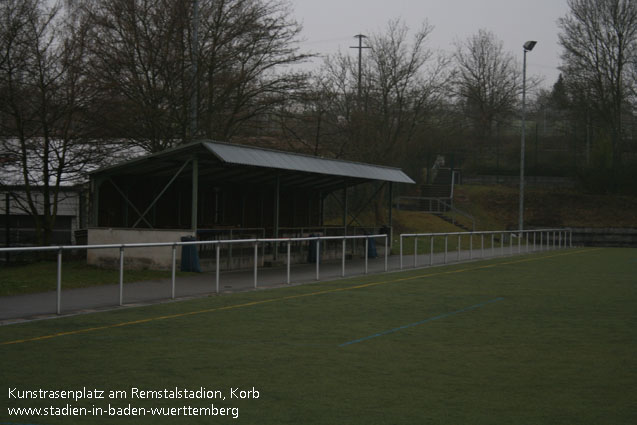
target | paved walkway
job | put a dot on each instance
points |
(106, 297)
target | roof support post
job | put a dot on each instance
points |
(389, 213)
(321, 209)
(277, 199)
(345, 208)
(195, 193)
(96, 183)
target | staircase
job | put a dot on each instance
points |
(437, 198)
(450, 220)
(441, 187)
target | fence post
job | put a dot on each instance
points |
(492, 244)
(58, 308)
(511, 243)
(217, 266)
(526, 236)
(571, 237)
(343, 257)
(446, 239)
(366, 252)
(401, 252)
(289, 260)
(318, 250)
(121, 275)
(534, 233)
(471, 246)
(481, 245)
(386, 253)
(519, 242)
(459, 245)
(173, 271)
(553, 239)
(415, 250)
(431, 252)
(256, 260)
(501, 244)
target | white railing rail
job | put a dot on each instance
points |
(559, 238)
(216, 243)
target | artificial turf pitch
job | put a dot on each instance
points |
(547, 338)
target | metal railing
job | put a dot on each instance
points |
(217, 247)
(558, 238)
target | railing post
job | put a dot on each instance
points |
(431, 252)
(386, 252)
(553, 239)
(318, 250)
(366, 252)
(121, 275)
(534, 247)
(446, 239)
(217, 265)
(401, 252)
(256, 260)
(289, 254)
(58, 307)
(415, 250)
(173, 271)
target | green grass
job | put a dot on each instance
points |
(559, 348)
(497, 207)
(42, 276)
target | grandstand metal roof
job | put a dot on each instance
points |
(247, 164)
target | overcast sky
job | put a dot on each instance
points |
(329, 25)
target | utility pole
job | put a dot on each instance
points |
(195, 63)
(360, 48)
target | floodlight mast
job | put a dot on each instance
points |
(528, 46)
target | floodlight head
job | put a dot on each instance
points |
(529, 45)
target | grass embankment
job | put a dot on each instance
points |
(496, 207)
(544, 339)
(42, 276)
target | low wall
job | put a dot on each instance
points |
(157, 258)
(588, 236)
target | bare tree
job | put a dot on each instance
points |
(486, 81)
(402, 84)
(599, 41)
(42, 107)
(147, 63)
(141, 66)
(246, 46)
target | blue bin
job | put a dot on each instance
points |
(311, 252)
(371, 248)
(190, 256)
